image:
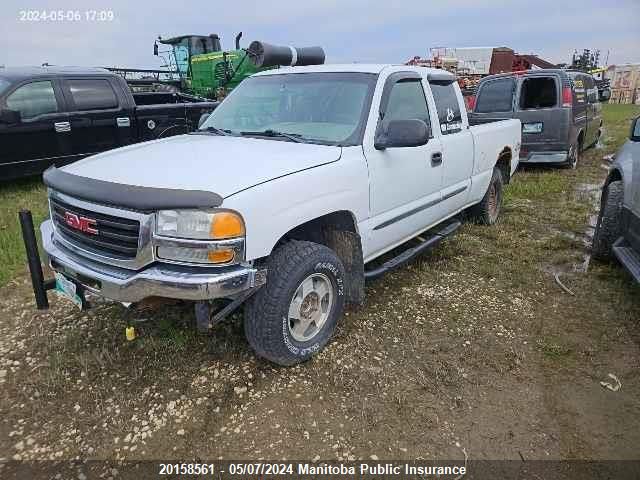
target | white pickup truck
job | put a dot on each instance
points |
(293, 185)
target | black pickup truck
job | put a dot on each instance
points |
(55, 115)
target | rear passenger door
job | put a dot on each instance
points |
(96, 114)
(457, 145)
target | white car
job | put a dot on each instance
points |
(293, 185)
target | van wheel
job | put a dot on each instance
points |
(295, 314)
(609, 227)
(573, 157)
(488, 210)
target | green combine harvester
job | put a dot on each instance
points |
(205, 70)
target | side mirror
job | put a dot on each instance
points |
(203, 118)
(604, 95)
(635, 130)
(155, 48)
(402, 133)
(10, 116)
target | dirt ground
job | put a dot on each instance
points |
(473, 350)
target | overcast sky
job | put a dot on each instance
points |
(349, 30)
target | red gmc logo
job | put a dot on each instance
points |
(84, 224)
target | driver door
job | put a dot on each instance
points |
(40, 138)
(405, 182)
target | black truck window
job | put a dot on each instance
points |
(92, 94)
(447, 106)
(33, 99)
(496, 96)
(538, 92)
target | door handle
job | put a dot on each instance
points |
(436, 158)
(61, 127)
(123, 122)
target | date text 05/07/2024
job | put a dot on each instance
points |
(66, 15)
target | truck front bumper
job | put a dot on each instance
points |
(158, 280)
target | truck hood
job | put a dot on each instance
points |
(219, 164)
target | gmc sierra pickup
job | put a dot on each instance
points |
(282, 199)
(57, 115)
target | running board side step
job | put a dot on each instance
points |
(627, 257)
(436, 237)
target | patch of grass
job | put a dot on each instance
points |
(29, 194)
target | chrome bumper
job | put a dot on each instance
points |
(158, 280)
(545, 157)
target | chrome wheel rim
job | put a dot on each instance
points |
(310, 307)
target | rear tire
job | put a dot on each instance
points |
(573, 157)
(295, 314)
(609, 225)
(488, 210)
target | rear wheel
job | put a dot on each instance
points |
(488, 210)
(573, 157)
(609, 225)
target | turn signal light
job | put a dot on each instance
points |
(226, 225)
(220, 256)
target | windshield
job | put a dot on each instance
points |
(328, 108)
(4, 84)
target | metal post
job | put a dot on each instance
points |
(31, 247)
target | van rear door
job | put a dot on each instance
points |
(545, 125)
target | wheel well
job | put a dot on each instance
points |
(504, 164)
(614, 176)
(339, 232)
(313, 230)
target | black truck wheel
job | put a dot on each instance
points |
(609, 225)
(488, 210)
(295, 314)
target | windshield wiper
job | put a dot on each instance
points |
(294, 137)
(216, 130)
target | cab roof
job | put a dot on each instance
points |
(16, 74)
(375, 68)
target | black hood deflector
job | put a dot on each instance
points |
(128, 196)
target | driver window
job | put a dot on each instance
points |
(407, 102)
(33, 99)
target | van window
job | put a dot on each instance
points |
(538, 92)
(93, 94)
(496, 96)
(33, 99)
(592, 89)
(447, 106)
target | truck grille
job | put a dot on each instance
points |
(107, 235)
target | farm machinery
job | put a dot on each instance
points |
(197, 64)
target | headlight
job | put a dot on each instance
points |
(193, 236)
(198, 225)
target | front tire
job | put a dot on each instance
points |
(488, 210)
(295, 314)
(609, 225)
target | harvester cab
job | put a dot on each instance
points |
(208, 71)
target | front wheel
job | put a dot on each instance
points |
(488, 210)
(609, 225)
(295, 314)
